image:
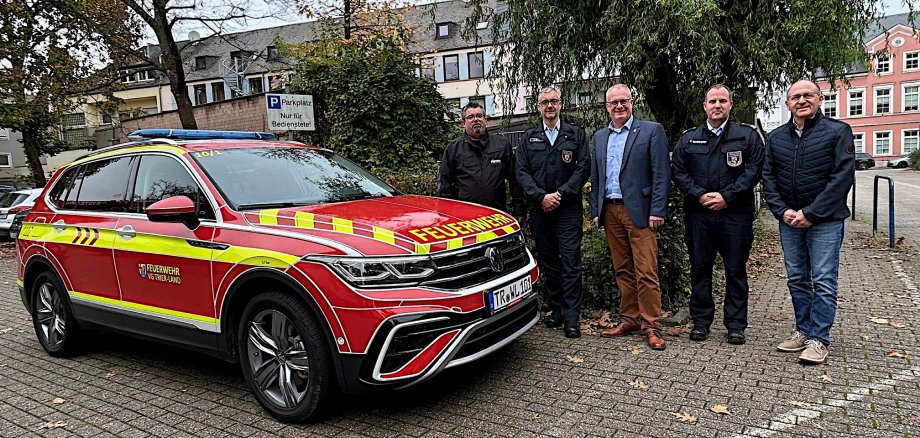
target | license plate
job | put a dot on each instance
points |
(509, 294)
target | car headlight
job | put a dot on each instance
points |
(380, 272)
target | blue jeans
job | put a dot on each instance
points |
(812, 258)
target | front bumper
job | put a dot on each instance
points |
(410, 349)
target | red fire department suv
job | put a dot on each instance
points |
(306, 269)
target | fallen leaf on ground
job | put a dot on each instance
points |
(720, 409)
(114, 372)
(897, 353)
(800, 404)
(536, 365)
(574, 359)
(778, 317)
(635, 350)
(639, 384)
(827, 378)
(896, 325)
(755, 358)
(57, 400)
(677, 330)
(916, 418)
(684, 417)
(879, 320)
(534, 417)
(5, 331)
(53, 424)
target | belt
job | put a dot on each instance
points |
(614, 200)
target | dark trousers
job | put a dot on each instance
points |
(731, 235)
(558, 238)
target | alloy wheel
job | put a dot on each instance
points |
(278, 358)
(50, 315)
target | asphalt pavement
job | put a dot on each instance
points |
(541, 385)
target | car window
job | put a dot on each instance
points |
(160, 177)
(102, 186)
(251, 178)
(7, 199)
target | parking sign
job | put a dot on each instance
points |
(290, 112)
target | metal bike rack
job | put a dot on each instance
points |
(890, 208)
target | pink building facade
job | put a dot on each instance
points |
(882, 106)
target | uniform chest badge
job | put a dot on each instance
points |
(698, 142)
(567, 156)
(733, 158)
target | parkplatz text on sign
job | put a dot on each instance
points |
(290, 112)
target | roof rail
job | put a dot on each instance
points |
(142, 142)
(200, 134)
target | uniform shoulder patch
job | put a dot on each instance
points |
(688, 130)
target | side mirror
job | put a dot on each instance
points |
(177, 209)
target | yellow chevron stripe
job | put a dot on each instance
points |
(268, 217)
(143, 307)
(343, 225)
(303, 220)
(455, 243)
(508, 230)
(384, 235)
(485, 237)
(421, 248)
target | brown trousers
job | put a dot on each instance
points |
(634, 252)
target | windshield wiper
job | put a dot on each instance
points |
(358, 197)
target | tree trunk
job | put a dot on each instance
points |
(172, 60)
(661, 97)
(33, 157)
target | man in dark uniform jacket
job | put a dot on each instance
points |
(552, 167)
(476, 165)
(716, 167)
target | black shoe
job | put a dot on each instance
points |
(572, 330)
(554, 321)
(699, 334)
(736, 337)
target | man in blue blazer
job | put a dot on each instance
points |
(630, 179)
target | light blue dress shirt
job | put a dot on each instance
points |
(616, 143)
(551, 134)
(717, 131)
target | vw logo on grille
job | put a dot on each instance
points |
(496, 259)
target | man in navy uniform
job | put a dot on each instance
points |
(716, 167)
(552, 168)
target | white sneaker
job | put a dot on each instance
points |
(815, 352)
(793, 344)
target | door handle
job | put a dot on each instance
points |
(126, 232)
(59, 225)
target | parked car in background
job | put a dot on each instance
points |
(12, 203)
(901, 162)
(16, 225)
(864, 161)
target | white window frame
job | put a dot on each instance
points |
(907, 55)
(875, 91)
(849, 99)
(831, 95)
(9, 160)
(4, 134)
(904, 135)
(887, 58)
(875, 139)
(862, 141)
(904, 96)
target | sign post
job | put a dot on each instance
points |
(290, 112)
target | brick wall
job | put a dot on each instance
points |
(245, 113)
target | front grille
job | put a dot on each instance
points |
(469, 267)
(410, 341)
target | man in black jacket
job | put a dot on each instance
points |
(807, 174)
(716, 167)
(552, 167)
(476, 165)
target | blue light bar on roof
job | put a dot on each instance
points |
(200, 134)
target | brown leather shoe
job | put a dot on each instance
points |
(619, 330)
(655, 341)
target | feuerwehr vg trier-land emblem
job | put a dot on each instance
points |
(733, 158)
(567, 156)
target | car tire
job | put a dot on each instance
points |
(284, 356)
(902, 165)
(861, 166)
(52, 316)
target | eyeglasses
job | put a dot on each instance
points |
(615, 103)
(549, 102)
(806, 96)
(475, 117)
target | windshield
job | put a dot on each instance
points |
(11, 199)
(258, 178)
